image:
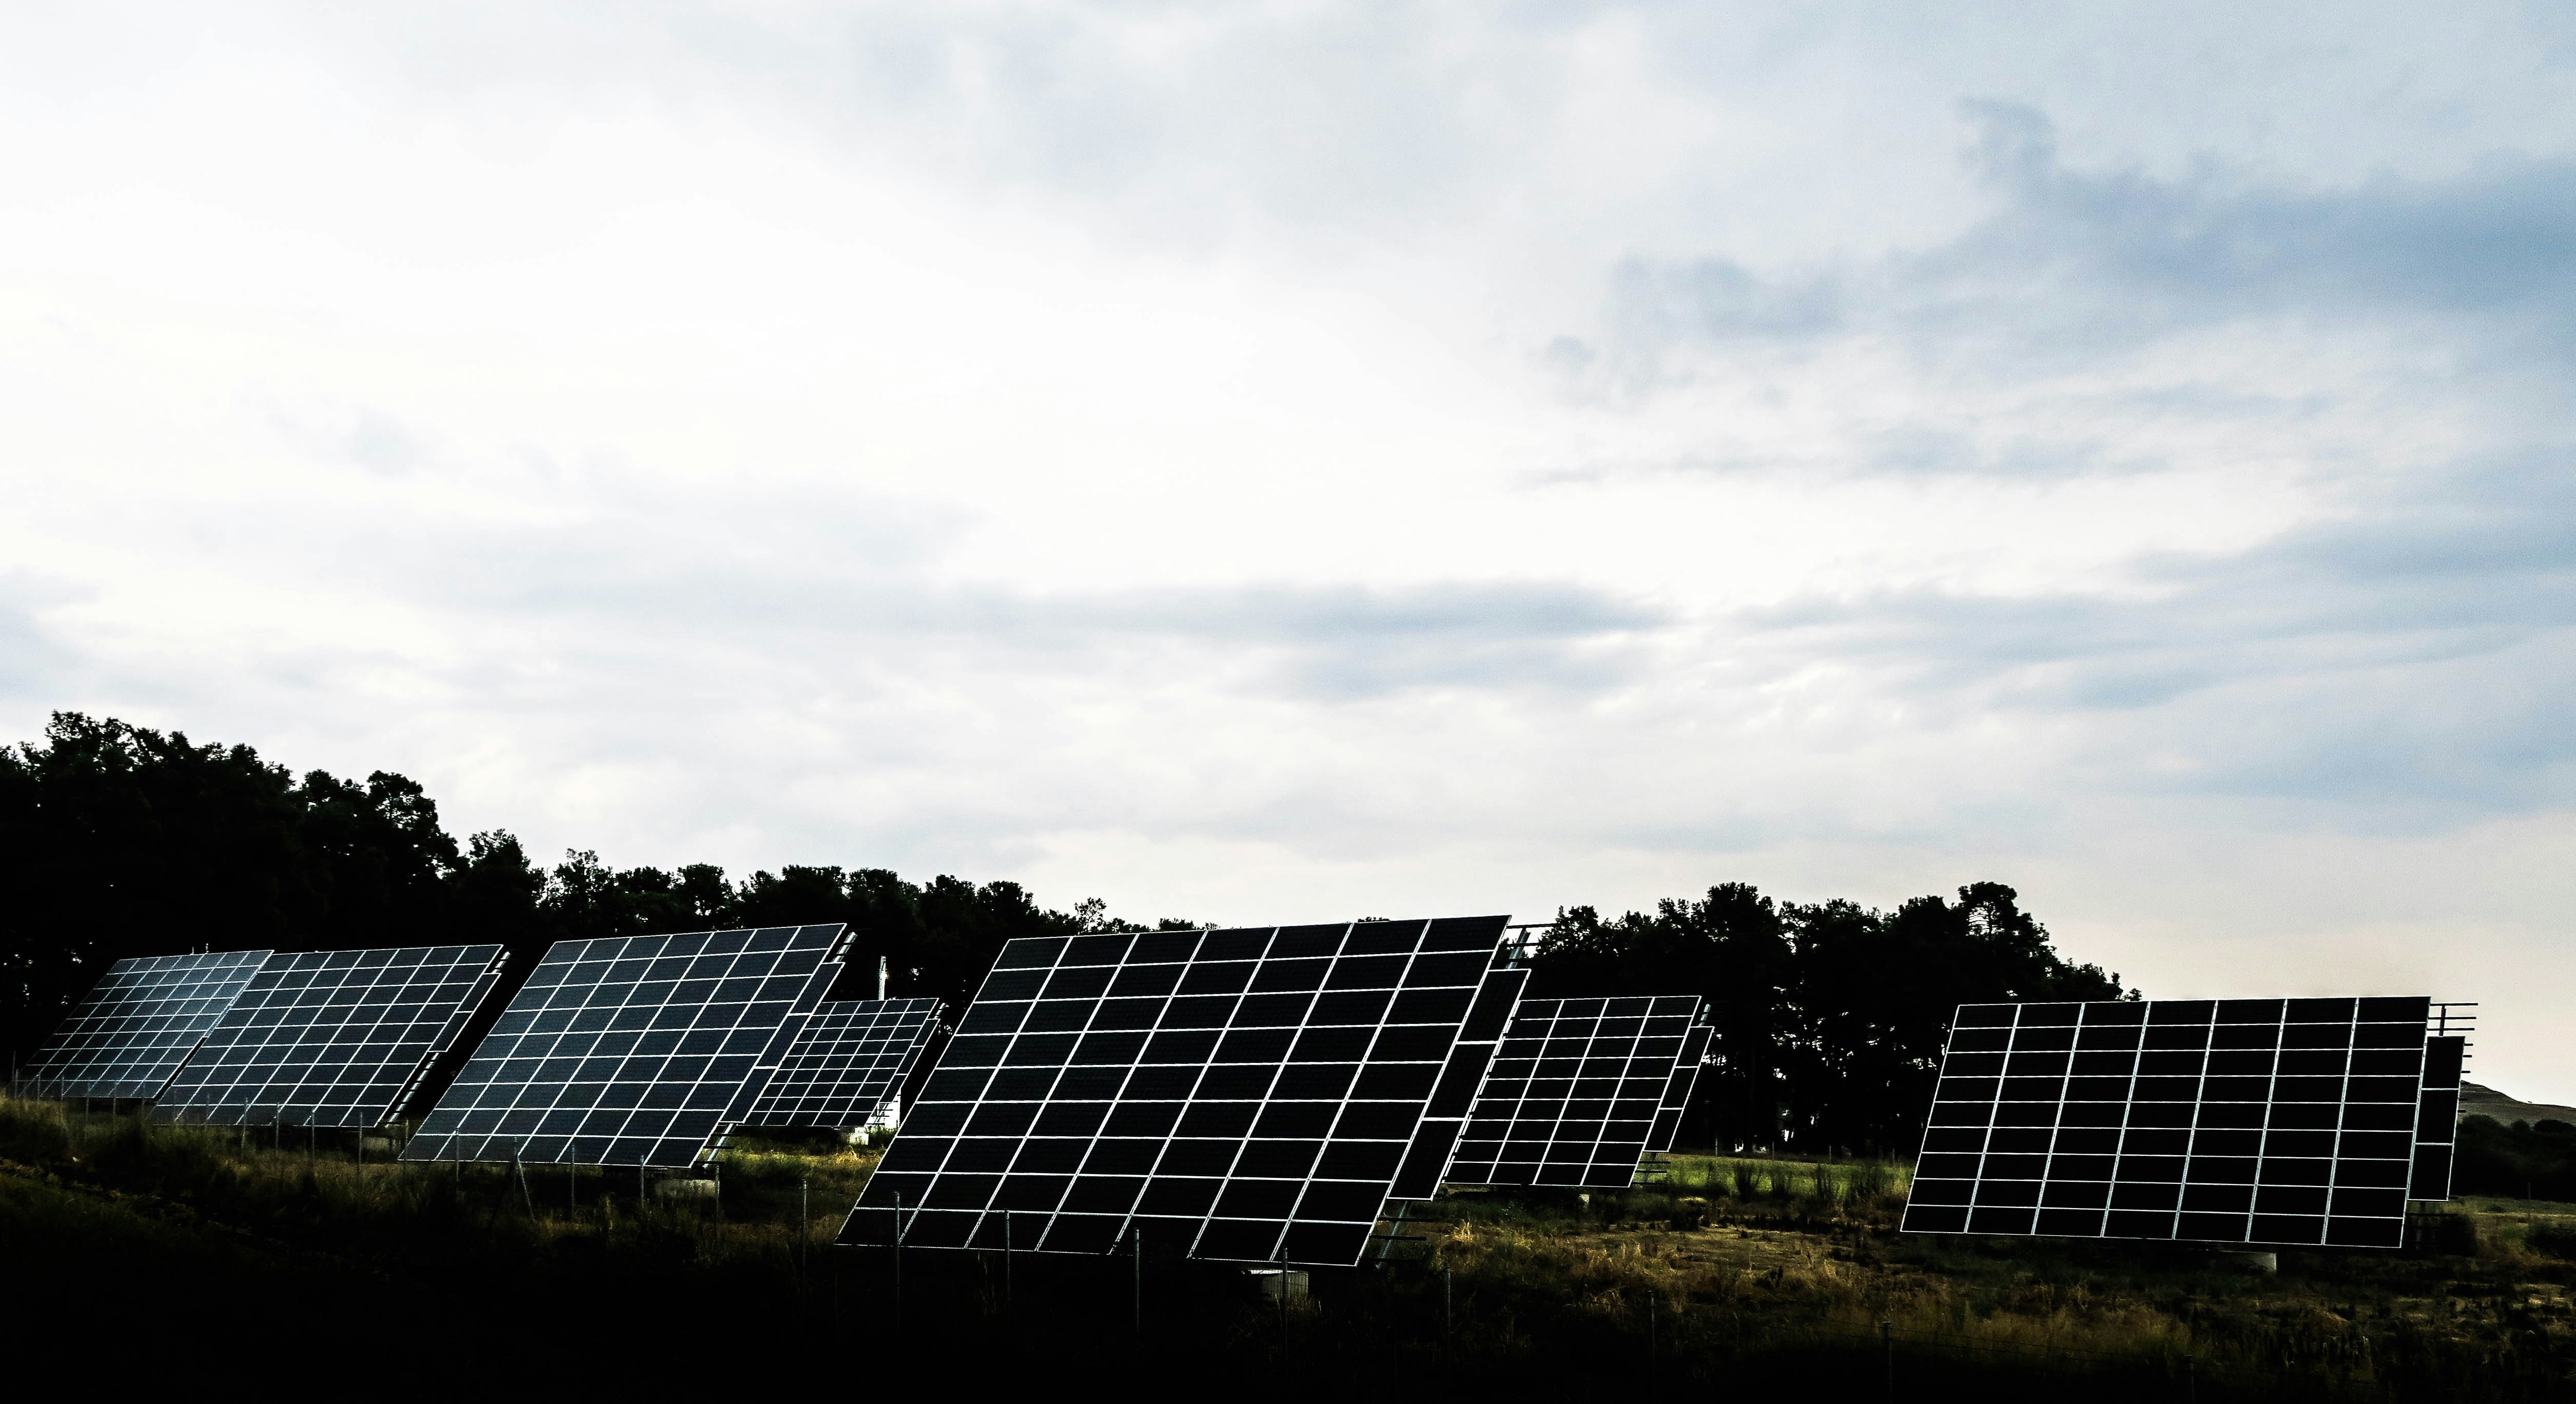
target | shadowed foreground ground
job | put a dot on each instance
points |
(145, 1250)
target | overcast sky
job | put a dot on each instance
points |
(1273, 464)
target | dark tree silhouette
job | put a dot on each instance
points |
(1829, 1018)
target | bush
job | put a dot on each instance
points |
(2554, 1237)
(2516, 1161)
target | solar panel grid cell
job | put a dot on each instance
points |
(1240, 1093)
(2266, 1121)
(633, 1050)
(1578, 1092)
(138, 1025)
(852, 1057)
(331, 1038)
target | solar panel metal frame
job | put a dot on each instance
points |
(138, 1024)
(1250, 1095)
(1636, 1055)
(2261, 1121)
(633, 1050)
(372, 1020)
(853, 1056)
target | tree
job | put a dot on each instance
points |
(1875, 993)
(1828, 1020)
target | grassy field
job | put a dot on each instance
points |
(145, 1250)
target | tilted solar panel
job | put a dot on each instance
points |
(138, 1024)
(1243, 1095)
(1677, 1090)
(1577, 1091)
(2437, 1120)
(853, 1056)
(331, 1038)
(633, 1050)
(2236, 1121)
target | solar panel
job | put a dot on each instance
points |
(331, 1038)
(138, 1024)
(633, 1050)
(1579, 1091)
(2437, 1118)
(1245, 1095)
(1678, 1089)
(851, 1060)
(2235, 1121)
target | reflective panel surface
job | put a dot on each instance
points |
(1581, 1090)
(1248, 1094)
(138, 1024)
(2264, 1121)
(633, 1050)
(853, 1056)
(331, 1038)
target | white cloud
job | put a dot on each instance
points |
(1315, 460)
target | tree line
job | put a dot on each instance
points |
(118, 840)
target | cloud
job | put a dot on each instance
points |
(2076, 268)
(2414, 660)
(1323, 642)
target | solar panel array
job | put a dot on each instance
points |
(633, 1050)
(852, 1058)
(2239, 1121)
(138, 1024)
(1578, 1091)
(1246, 1095)
(331, 1038)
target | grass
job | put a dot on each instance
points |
(174, 1246)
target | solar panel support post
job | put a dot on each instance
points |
(898, 1264)
(1136, 1259)
(804, 1231)
(1887, 1351)
(1006, 1262)
(1283, 1307)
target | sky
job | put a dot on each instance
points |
(1271, 463)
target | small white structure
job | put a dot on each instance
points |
(1269, 1278)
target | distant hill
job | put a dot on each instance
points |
(2478, 1100)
